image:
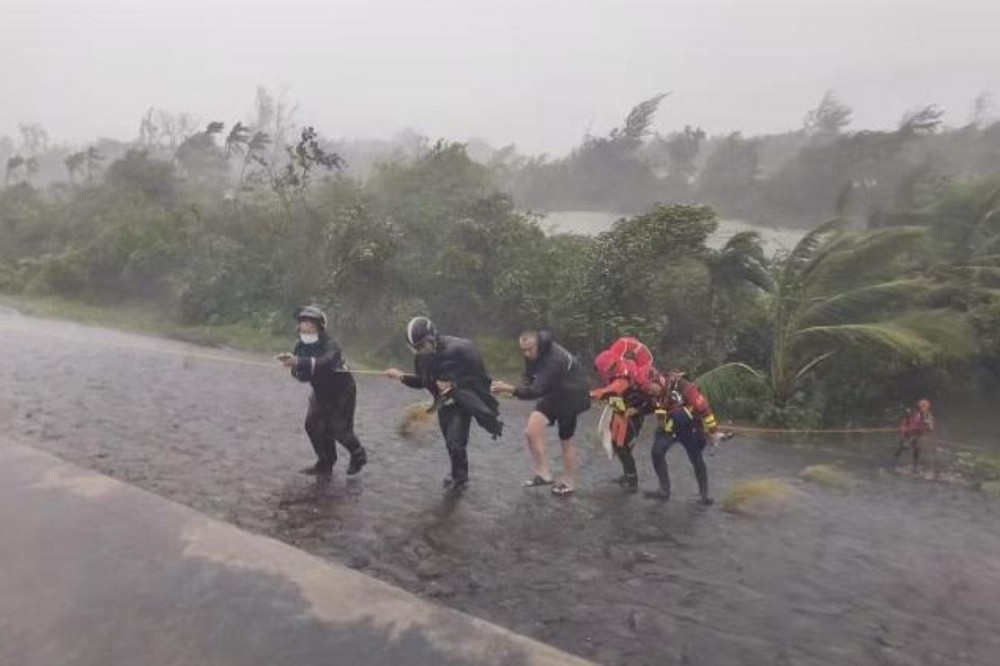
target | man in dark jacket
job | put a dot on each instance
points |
(330, 419)
(452, 370)
(556, 380)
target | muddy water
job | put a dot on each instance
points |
(893, 571)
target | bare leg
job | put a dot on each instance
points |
(570, 457)
(534, 434)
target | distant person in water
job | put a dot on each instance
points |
(558, 382)
(330, 418)
(452, 371)
(918, 422)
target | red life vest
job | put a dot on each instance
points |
(638, 358)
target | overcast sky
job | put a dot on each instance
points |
(538, 73)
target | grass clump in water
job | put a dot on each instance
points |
(414, 417)
(991, 488)
(756, 494)
(826, 475)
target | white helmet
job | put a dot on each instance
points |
(418, 330)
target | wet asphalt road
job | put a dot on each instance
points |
(892, 571)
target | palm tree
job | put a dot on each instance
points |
(840, 289)
(966, 224)
(92, 159)
(13, 164)
(73, 163)
(738, 265)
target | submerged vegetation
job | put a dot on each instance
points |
(757, 496)
(892, 292)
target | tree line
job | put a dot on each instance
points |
(240, 222)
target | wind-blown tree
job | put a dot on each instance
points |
(739, 265)
(201, 159)
(830, 118)
(730, 179)
(966, 225)
(137, 173)
(648, 278)
(74, 162)
(738, 278)
(86, 160)
(682, 150)
(15, 164)
(838, 291)
(603, 173)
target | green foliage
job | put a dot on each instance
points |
(603, 173)
(839, 293)
(981, 468)
(731, 176)
(137, 174)
(231, 229)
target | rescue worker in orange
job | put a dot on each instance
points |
(918, 422)
(683, 415)
(625, 368)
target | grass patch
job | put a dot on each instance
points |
(826, 475)
(150, 320)
(980, 468)
(991, 488)
(756, 495)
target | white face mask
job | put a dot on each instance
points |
(309, 338)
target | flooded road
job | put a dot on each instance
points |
(891, 571)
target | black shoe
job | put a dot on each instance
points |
(321, 468)
(454, 484)
(630, 482)
(658, 494)
(706, 501)
(358, 460)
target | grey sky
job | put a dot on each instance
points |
(539, 73)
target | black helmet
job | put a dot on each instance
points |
(311, 312)
(418, 330)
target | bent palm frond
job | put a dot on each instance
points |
(860, 303)
(730, 381)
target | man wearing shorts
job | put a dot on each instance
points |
(559, 384)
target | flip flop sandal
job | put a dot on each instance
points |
(561, 490)
(537, 481)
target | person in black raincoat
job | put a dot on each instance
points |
(558, 382)
(452, 370)
(317, 359)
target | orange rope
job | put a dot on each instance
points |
(806, 430)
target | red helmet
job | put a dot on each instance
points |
(609, 365)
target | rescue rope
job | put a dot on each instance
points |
(218, 358)
(806, 430)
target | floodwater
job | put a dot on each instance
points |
(894, 570)
(590, 223)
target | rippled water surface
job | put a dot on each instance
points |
(893, 570)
